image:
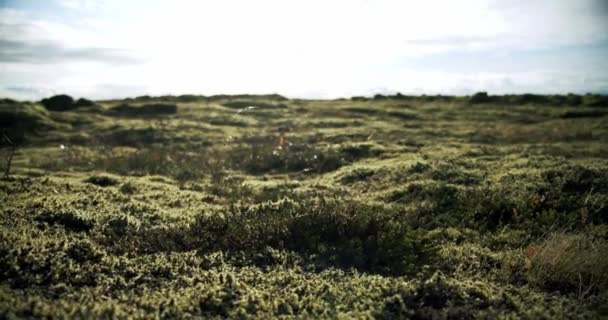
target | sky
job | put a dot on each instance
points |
(103, 49)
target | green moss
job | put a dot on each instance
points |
(374, 208)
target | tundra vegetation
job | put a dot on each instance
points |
(261, 207)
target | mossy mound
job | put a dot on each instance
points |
(21, 120)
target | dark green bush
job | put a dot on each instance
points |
(329, 232)
(82, 102)
(60, 102)
(480, 97)
(583, 114)
(577, 179)
(102, 181)
(442, 197)
(256, 104)
(574, 99)
(146, 110)
(596, 100)
(357, 175)
(529, 98)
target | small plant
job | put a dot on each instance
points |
(13, 147)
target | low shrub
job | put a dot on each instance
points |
(480, 97)
(583, 114)
(183, 166)
(145, 110)
(60, 102)
(262, 155)
(596, 100)
(329, 232)
(82, 102)
(102, 181)
(357, 175)
(256, 104)
(529, 98)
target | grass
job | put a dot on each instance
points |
(569, 263)
(385, 207)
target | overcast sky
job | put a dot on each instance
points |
(311, 49)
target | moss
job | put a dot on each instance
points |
(68, 219)
(432, 209)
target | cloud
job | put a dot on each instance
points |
(25, 92)
(305, 49)
(14, 51)
(25, 39)
(81, 4)
(25, 89)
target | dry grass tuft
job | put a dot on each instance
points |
(569, 263)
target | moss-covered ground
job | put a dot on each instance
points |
(263, 207)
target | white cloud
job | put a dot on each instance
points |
(323, 48)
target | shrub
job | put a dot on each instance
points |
(596, 100)
(529, 98)
(442, 196)
(569, 263)
(574, 99)
(583, 114)
(380, 97)
(479, 97)
(261, 155)
(82, 102)
(128, 188)
(133, 137)
(189, 98)
(182, 166)
(577, 179)
(357, 175)
(329, 232)
(102, 181)
(60, 102)
(259, 105)
(146, 110)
